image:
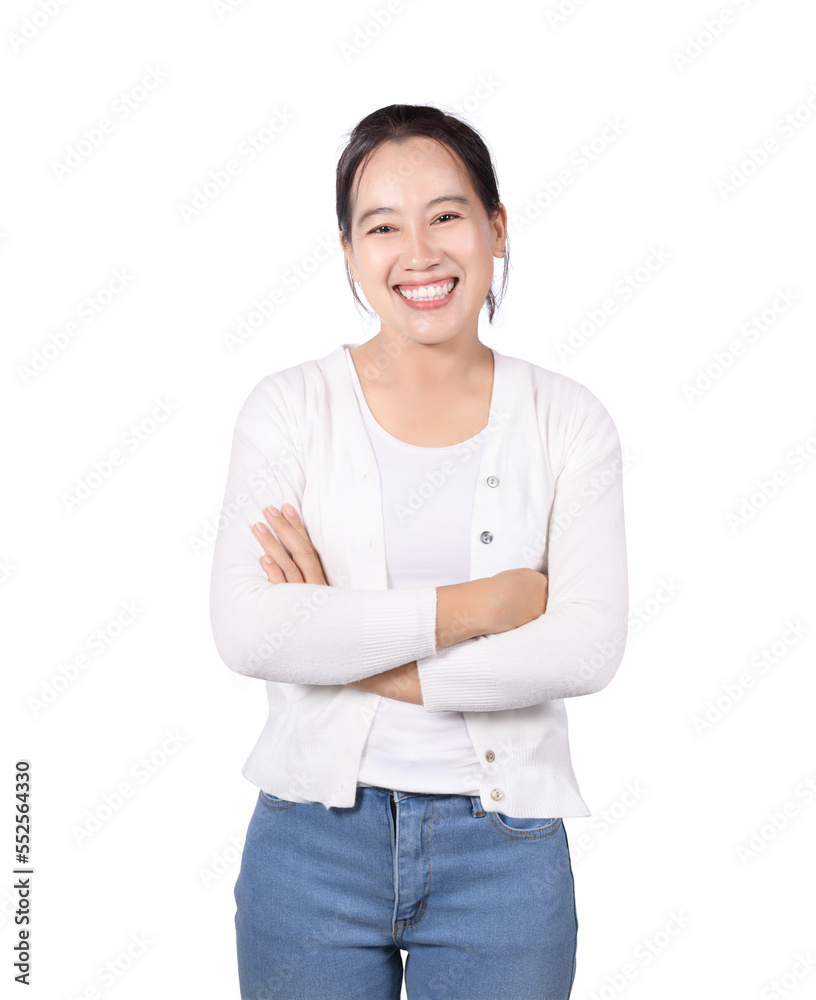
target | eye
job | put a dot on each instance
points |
(445, 215)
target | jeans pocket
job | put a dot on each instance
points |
(523, 827)
(273, 802)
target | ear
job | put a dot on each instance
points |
(499, 222)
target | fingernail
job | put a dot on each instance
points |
(273, 511)
(288, 509)
(260, 528)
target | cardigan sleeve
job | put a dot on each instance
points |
(576, 646)
(298, 633)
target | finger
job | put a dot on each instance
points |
(288, 521)
(273, 572)
(273, 548)
(295, 537)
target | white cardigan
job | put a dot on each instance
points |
(549, 496)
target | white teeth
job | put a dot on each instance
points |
(427, 293)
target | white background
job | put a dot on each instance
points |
(687, 886)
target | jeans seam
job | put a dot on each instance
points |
(423, 907)
(547, 831)
(272, 805)
(574, 915)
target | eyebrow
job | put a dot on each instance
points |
(386, 209)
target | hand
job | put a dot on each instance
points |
(301, 564)
(298, 562)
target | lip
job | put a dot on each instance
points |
(430, 281)
(418, 303)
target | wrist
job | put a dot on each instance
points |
(399, 684)
(464, 610)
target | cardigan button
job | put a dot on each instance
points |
(492, 481)
(486, 537)
(497, 794)
(490, 756)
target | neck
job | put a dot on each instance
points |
(398, 363)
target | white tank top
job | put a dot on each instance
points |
(427, 501)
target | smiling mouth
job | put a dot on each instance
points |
(433, 291)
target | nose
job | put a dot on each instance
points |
(418, 251)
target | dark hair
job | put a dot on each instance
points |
(396, 123)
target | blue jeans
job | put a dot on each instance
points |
(483, 903)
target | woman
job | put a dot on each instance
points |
(440, 561)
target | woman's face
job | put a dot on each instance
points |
(428, 227)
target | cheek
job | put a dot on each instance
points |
(474, 245)
(375, 262)
(480, 262)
